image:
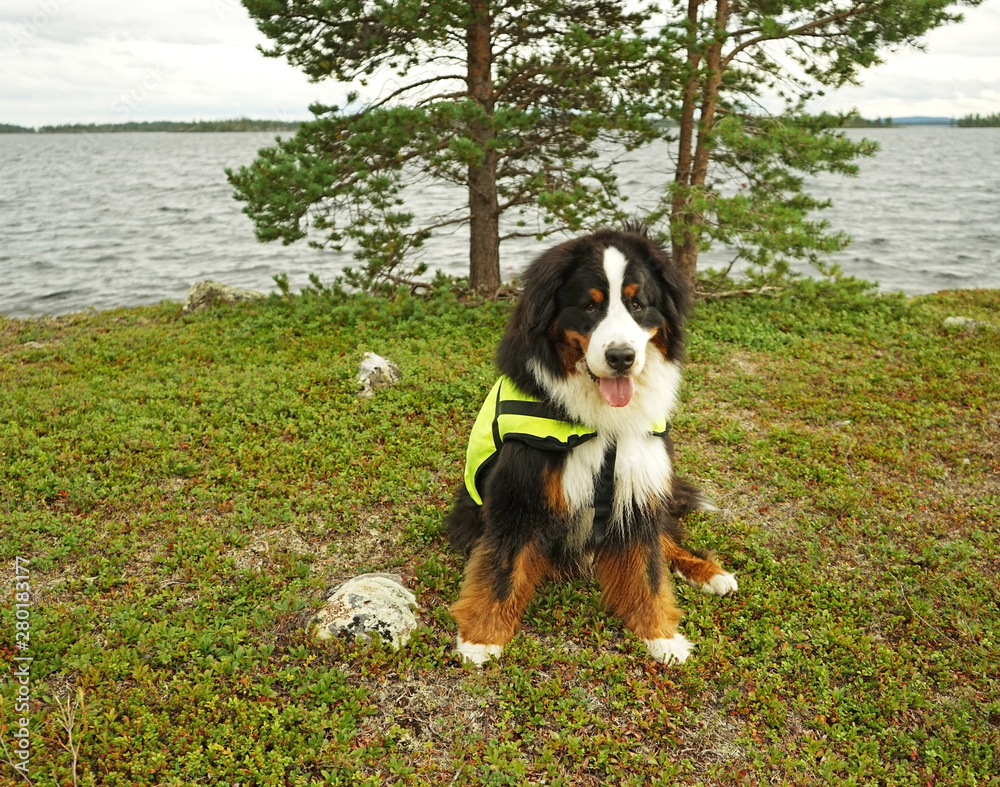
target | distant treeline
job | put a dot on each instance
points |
(248, 124)
(855, 121)
(977, 120)
(969, 121)
(236, 124)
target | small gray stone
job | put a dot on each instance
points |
(206, 293)
(368, 604)
(377, 372)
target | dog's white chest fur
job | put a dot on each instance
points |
(642, 466)
(642, 474)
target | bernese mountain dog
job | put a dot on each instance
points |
(570, 465)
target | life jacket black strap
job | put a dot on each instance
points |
(604, 494)
(497, 438)
(533, 409)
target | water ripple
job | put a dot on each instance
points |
(109, 220)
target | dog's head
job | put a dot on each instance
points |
(597, 307)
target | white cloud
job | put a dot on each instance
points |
(106, 61)
(975, 36)
(957, 74)
(64, 61)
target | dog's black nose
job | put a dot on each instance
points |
(619, 357)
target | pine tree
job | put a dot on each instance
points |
(740, 168)
(510, 101)
(506, 100)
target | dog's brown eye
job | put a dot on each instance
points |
(636, 306)
(591, 307)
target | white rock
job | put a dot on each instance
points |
(206, 293)
(377, 372)
(368, 604)
(967, 323)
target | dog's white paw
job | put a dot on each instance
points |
(478, 654)
(676, 648)
(719, 585)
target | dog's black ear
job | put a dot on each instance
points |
(675, 292)
(527, 331)
(542, 281)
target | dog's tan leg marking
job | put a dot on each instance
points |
(706, 574)
(487, 622)
(554, 496)
(651, 612)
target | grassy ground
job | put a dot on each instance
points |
(186, 489)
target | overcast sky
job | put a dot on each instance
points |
(100, 61)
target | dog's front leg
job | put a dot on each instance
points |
(637, 589)
(500, 580)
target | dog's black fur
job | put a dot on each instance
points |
(528, 517)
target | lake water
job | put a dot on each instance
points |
(106, 220)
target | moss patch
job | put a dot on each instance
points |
(187, 487)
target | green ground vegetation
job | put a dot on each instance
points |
(188, 487)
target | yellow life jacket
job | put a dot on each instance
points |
(510, 414)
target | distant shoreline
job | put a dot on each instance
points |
(236, 124)
(248, 124)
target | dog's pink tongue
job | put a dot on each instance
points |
(617, 390)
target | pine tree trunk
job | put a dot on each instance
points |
(692, 164)
(682, 229)
(484, 240)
